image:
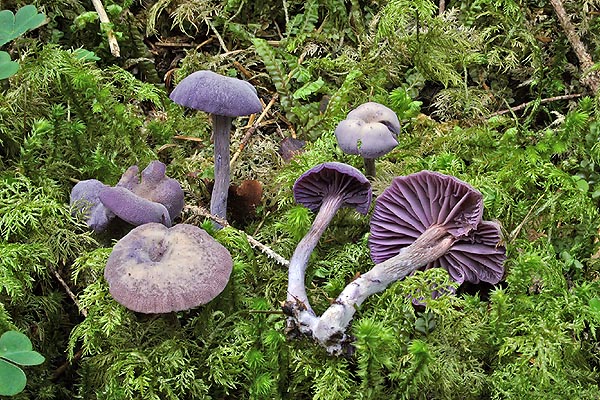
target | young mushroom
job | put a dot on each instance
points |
(422, 219)
(370, 130)
(224, 98)
(154, 269)
(323, 189)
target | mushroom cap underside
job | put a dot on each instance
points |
(333, 178)
(415, 202)
(85, 198)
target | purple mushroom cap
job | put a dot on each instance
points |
(333, 178)
(371, 130)
(155, 186)
(415, 202)
(85, 198)
(217, 94)
(132, 208)
(155, 269)
(476, 257)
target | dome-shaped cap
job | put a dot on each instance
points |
(371, 130)
(217, 94)
(415, 202)
(333, 178)
(155, 269)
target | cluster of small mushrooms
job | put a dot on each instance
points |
(423, 220)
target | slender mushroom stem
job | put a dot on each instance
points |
(369, 167)
(330, 329)
(218, 201)
(299, 260)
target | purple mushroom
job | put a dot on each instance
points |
(370, 130)
(323, 189)
(424, 219)
(85, 199)
(151, 197)
(414, 203)
(132, 208)
(153, 185)
(224, 98)
(154, 269)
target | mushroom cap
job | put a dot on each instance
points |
(155, 269)
(415, 202)
(155, 186)
(216, 94)
(132, 208)
(85, 197)
(371, 130)
(333, 178)
(476, 257)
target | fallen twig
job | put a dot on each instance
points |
(590, 78)
(201, 211)
(112, 39)
(82, 311)
(542, 101)
(250, 131)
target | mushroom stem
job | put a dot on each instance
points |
(218, 201)
(330, 329)
(369, 167)
(296, 274)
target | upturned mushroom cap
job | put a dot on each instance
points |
(84, 197)
(155, 186)
(415, 202)
(371, 130)
(333, 178)
(216, 94)
(155, 269)
(476, 257)
(132, 208)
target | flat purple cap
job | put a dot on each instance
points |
(154, 269)
(371, 130)
(333, 178)
(415, 202)
(217, 94)
(155, 186)
(85, 198)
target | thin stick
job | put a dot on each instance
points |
(82, 311)
(201, 211)
(542, 101)
(250, 131)
(590, 78)
(219, 38)
(112, 40)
